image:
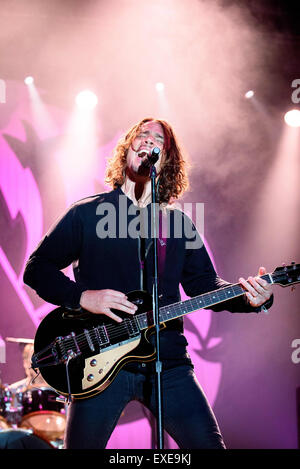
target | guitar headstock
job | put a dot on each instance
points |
(287, 275)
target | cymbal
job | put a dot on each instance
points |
(19, 340)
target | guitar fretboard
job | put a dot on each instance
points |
(175, 310)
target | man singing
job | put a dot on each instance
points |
(108, 265)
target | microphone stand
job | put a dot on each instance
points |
(158, 363)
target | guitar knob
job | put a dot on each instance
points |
(138, 301)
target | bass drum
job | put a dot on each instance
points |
(43, 414)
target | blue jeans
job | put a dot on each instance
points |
(187, 416)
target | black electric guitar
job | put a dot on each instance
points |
(80, 355)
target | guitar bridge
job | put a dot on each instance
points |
(67, 347)
(58, 352)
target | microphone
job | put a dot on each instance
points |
(152, 156)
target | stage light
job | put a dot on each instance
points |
(292, 118)
(249, 94)
(159, 86)
(86, 100)
(28, 80)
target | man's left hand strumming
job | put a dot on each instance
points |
(258, 290)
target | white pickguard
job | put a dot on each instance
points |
(98, 366)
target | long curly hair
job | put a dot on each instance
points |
(173, 178)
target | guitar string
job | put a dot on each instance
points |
(81, 339)
(118, 330)
(114, 331)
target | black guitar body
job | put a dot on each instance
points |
(88, 350)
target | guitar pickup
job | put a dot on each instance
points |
(132, 327)
(101, 335)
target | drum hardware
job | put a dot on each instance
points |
(62, 399)
(39, 411)
(21, 341)
(10, 407)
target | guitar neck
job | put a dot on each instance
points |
(176, 310)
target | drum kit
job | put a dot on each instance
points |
(30, 410)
